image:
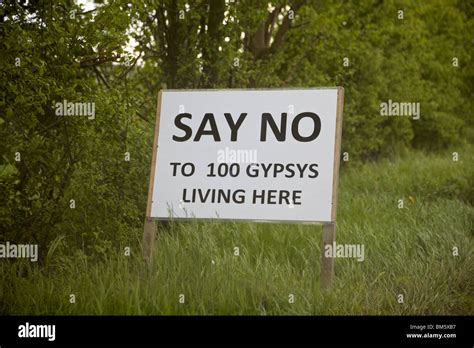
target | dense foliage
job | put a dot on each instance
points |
(84, 181)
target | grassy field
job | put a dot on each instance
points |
(408, 251)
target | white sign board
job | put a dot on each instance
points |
(246, 154)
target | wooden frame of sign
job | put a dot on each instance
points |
(329, 228)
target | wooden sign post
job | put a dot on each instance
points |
(149, 228)
(296, 134)
(329, 229)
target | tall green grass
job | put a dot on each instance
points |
(408, 251)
